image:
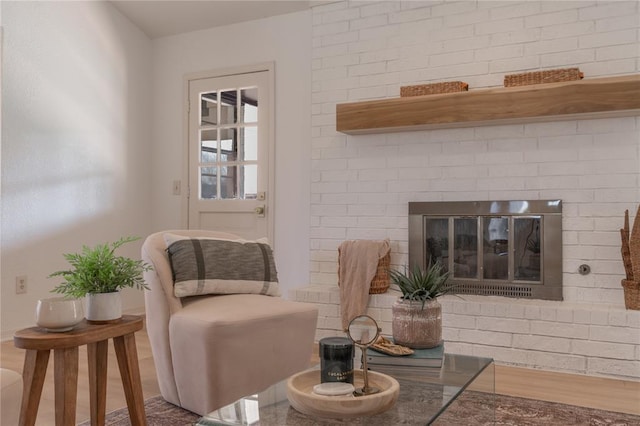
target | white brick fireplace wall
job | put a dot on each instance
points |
(361, 184)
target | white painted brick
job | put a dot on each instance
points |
(617, 52)
(416, 14)
(452, 320)
(617, 23)
(467, 18)
(332, 28)
(368, 22)
(567, 30)
(556, 361)
(609, 68)
(613, 334)
(568, 59)
(485, 338)
(541, 343)
(499, 52)
(514, 65)
(547, 19)
(514, 10)
(499, 26)
(504, 325)
(444, 59)
(609, 9)
(622, 368)
(551, 46)
(452, 8)
(379, 8)
(548, 328)
(339, 15)
(608, 39)
(528, 35)
(466, 44)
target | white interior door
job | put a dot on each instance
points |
(230, 154)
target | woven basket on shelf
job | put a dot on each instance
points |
(631, 294)
(434, 88)
(539, 77)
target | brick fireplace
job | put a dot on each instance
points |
(362, 185)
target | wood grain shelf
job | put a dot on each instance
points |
(582, 99)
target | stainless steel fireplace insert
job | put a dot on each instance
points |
(499, 248)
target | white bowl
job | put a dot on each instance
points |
(59, 314)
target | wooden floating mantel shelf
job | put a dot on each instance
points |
(581, 99)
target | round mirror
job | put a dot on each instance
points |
(363, 330)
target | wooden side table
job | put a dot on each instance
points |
(39, 343)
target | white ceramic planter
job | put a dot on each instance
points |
(58, 314)
(103, 307)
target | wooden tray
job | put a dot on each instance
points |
(301, 396)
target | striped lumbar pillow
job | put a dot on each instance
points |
(217, 266)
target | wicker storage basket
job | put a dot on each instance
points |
(434, 88)
(380, 283)
(631, 294)
(539, 77)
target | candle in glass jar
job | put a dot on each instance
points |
(336, 360)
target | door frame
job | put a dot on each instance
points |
(186, 191)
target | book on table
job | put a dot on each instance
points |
(431, 357)
(408, 372)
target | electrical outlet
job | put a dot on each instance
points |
(21, 284)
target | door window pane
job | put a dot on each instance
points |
(208, 109)
(249, 143)
(208, 146)
(228, 145)
(208, 183)
(496, 247)
(228, 107)
(228, 182)
(249, 182)
(465, 249)
(249, 105)
(526, 239)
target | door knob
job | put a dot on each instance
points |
(259, 211)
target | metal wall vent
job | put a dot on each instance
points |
(490, 290)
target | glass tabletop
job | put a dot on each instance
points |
(425, 394)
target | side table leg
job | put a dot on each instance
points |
(34, 371)
(97, 357)
(65, 363)
(127, 355)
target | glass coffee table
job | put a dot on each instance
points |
(463, 387)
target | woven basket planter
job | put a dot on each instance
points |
(631, 294)
(434, 88)
(540, 77)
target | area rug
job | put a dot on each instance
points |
(472, 408)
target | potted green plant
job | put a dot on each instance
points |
(417, 314)
(99, 275)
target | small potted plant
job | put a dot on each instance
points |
(417, 314)
(99, 274)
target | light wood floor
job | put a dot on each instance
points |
(601, 393)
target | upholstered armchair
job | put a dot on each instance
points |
(212, 349)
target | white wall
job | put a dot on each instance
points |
(361, 184)
(75, 142)
(284, 40)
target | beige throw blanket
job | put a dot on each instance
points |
(358, 260)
